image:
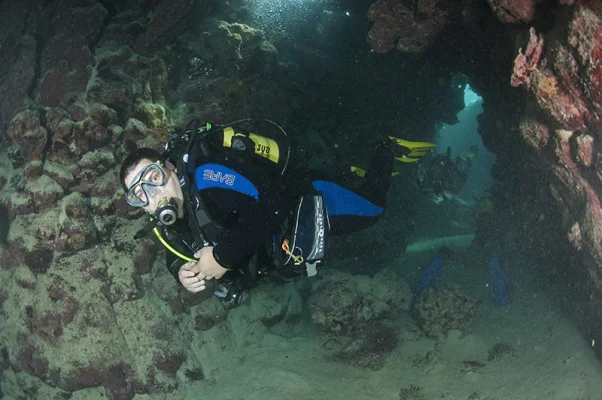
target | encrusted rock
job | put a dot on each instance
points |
(438, 310)
(535, 133)
(63, 148)
(89, 135)
(102, 206)
(345, 304)
(498, 351)
(574, 236)
(76, 229)
(370, 349)
(44, 190)
(27, 133)
(59, 173)
(34, 169)
(272, 303)
(207, 315)
(18, 60)
(514, 11)
(152, 115)
(135, 130)
(102, 114)
(97, 161)
(585, 150)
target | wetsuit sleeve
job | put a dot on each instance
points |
(173, 265)
(257, 222)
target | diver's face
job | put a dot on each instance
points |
(149, 183)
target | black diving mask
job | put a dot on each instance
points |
(146, 184)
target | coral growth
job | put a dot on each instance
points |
(526, 62)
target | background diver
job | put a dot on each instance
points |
(485, 247)
(444, 177)
(224, 203)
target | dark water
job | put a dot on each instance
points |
(4, 223)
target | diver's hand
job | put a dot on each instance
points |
(190, 279)
(207, 268)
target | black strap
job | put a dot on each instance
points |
(184, 179)
(199, 237)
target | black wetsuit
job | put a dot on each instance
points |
(252, 204)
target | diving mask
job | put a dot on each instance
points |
(145, 185)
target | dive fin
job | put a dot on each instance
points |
(362, 172)
(429, 276)
(498, 283)
(412, 151)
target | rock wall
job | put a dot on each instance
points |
(536, 64)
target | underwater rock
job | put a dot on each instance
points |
(150, 114)
(534, 132)
(76, 229)
(515, 11)
(62, 149)
(344, 304)
(44, 191)
(18, 66)
(525, 63)
(124, 78)
(439, 310)
(276, 304)
(209, 314)
(144, 255)
(60, 173)
(97, 162)
(401, 26)
(34, 169)
(53, 116)
(585, 150)
(369, 351)
(168, 19)
(412, 393)
(38, 260)
(270, 303)
(498, 351)
(102, 114)
(66, 63)
(88, 135)
(27, 133)
(32, 360)
(135, 130)
(567, 85)
(102, 206)
(48, 322)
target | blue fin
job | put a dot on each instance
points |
(498, 283)
(429, 276)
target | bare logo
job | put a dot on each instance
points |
(210, 175)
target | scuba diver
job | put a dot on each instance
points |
(444, 177)
(484, 246)
(227, 207)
